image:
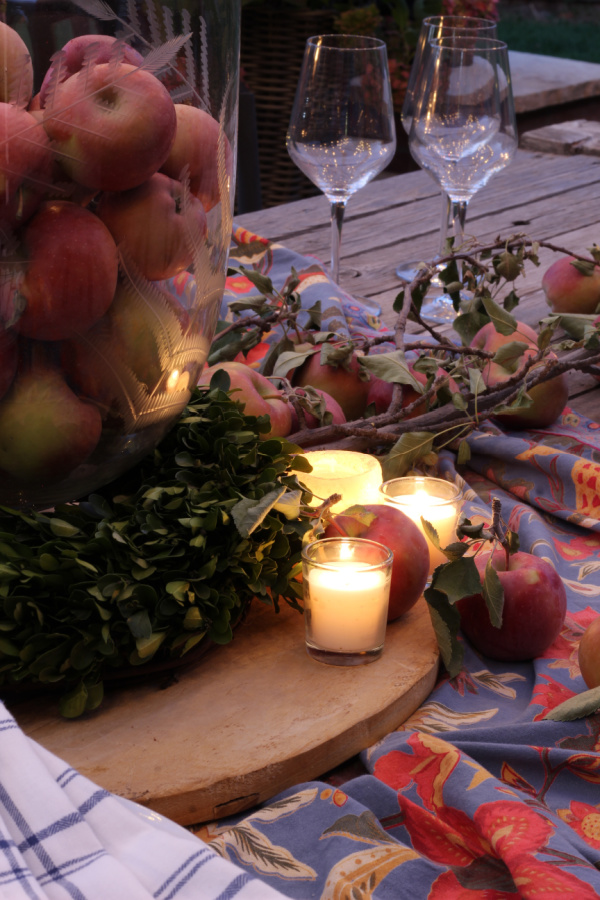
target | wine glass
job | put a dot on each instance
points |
(432, 28)
(342, 131)
(463, 128)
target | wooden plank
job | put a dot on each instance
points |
(253, 718)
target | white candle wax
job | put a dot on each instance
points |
(356, 476)
(441, 514)
(347, 608)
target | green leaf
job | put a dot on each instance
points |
(476, 383)
(391, 367)
(73, 703)
(578, 707)
(147, 646)
(446, 624)
(248, 514)
(503, 321)
(289, 504)
(510, 356)
(291, 359)
(411, 447)
(468, 324)
(63, 529)
(463, 454)
(493, 594)
(457, 579)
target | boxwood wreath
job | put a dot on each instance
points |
(159, 564)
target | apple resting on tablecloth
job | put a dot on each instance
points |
(535, 603)
(105, 187)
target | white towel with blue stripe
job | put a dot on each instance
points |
(64, 838)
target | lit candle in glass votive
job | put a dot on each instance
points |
(438, 501)
(346, 596)
(356, 476)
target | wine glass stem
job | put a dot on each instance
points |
(446, 222)
(459, 215)
(338, 209)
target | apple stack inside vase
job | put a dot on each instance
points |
(111, 193)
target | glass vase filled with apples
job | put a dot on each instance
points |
(118, 128)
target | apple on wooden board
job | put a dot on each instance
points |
(342, 382)
(572, 286)
(195, 151)
(71, 273)
(535, 603)
(315, 409)
(154, 225)
(90, 49)
(549, 398)
(16, 68)
(46, 431)
(589, 654)
(111, 126)
(394, 529)
(256, 393)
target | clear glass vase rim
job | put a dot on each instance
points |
(386, 553)
(332, 41)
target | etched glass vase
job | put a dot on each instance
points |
(118, 123)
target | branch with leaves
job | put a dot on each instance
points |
(455, 394)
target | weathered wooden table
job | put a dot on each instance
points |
(396, 219)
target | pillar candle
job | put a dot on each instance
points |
(356, 476)
(347, 607)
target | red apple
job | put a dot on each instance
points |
(26, 158)
(549, 397)
(111, 126)
(589, 654)
(16, 69)
(380, 393)
(46, 431)
(91, 49)
(344, 385)
(256, 393)
(535, 603)
(326, 404)
(71, 275)
(196, 146)
(570, 290)
(391, 527)
(154, 225)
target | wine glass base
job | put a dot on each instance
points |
(439, 310)
(409, 271)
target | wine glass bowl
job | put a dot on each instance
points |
(463, 127)
(342, 132)
(435, 28)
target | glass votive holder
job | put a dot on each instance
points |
(346, 596)
(436, 500)
(356, 476)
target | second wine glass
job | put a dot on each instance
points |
(342, 131)
(434, 28)
(464, 129)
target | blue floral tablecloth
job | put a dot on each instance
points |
(475, 797)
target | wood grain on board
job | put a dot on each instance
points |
(253, 718)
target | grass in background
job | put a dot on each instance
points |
(553, 33)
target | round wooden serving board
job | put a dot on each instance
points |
(252, 718)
